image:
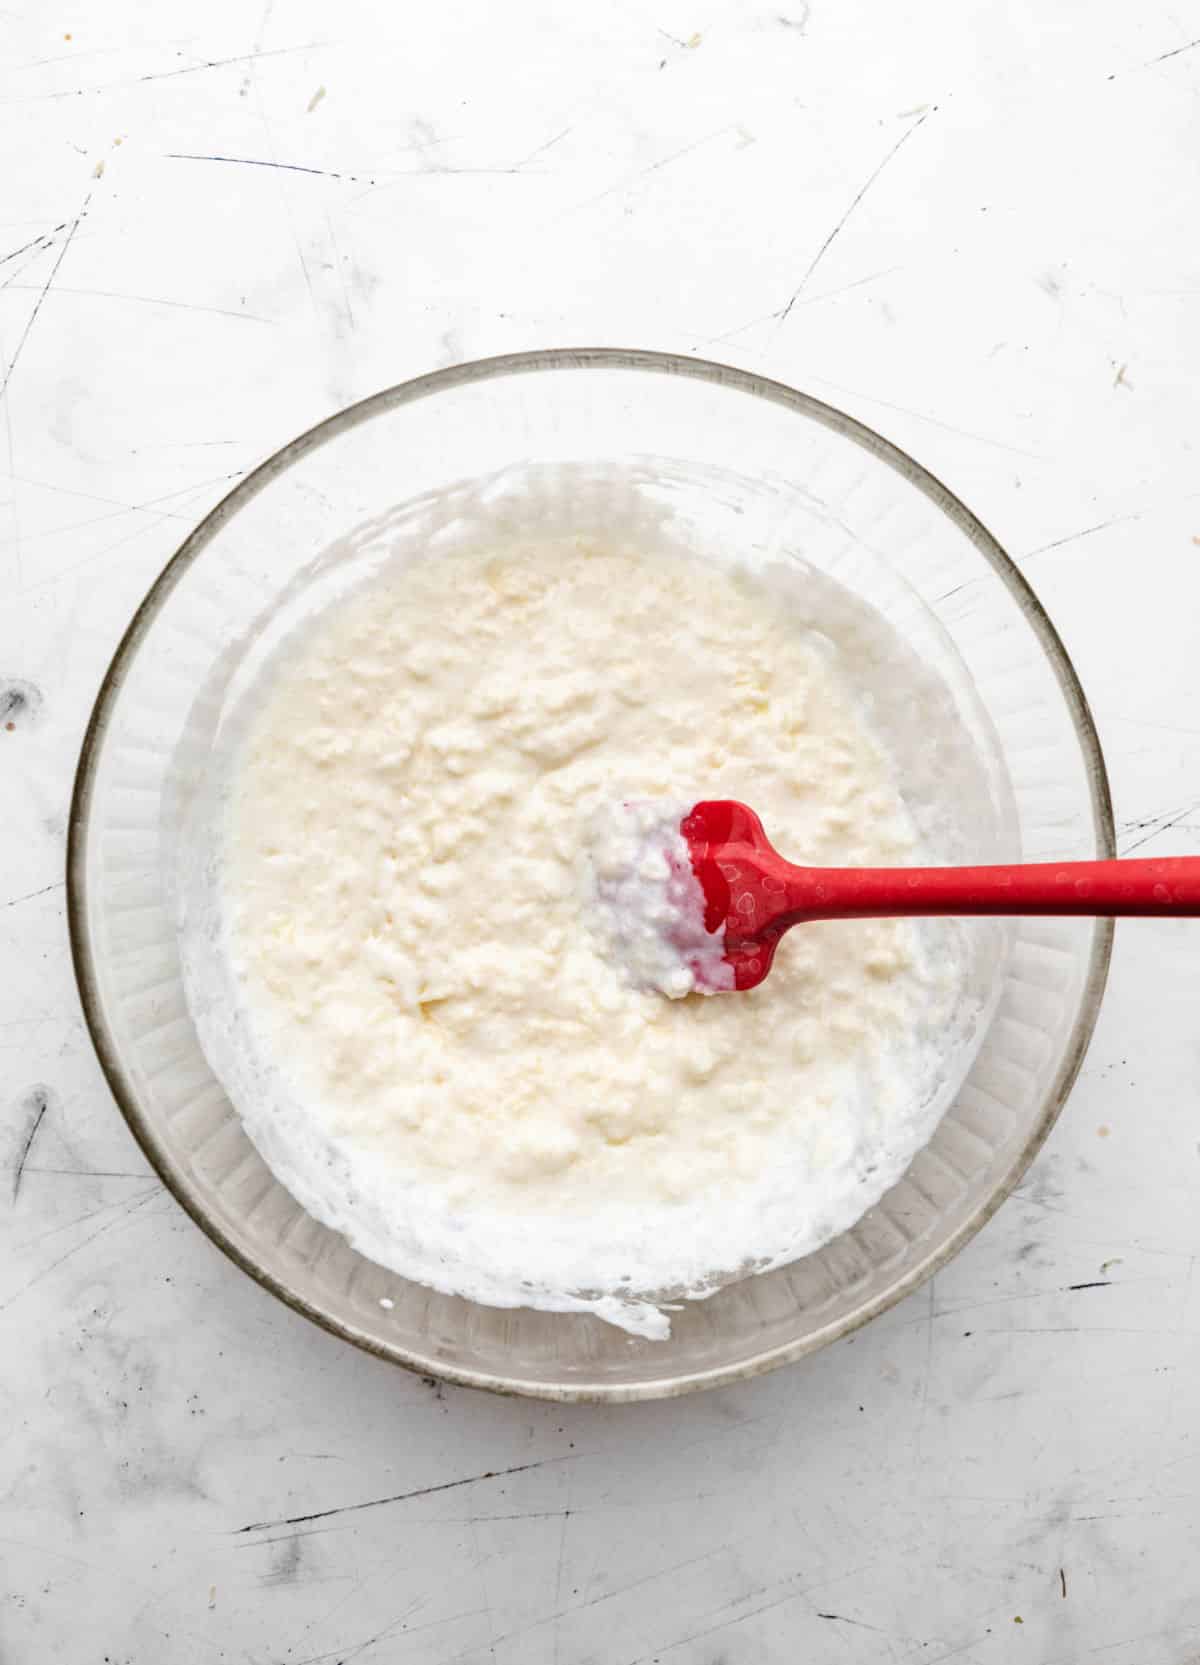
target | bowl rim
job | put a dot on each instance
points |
(83, 951)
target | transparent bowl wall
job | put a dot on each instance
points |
(745, 463)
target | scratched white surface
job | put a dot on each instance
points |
(974, 227)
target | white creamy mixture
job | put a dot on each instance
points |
(648, 905)
(399, 969)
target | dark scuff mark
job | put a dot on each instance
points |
(209, 63)
(20, 701)
(859, 1624)
(1086, 532)
(1174, 53)
(43, 240)
(166, 74)
(399, 1497)
(1041, 1186)
(1162, 827)
(286, 1566)
(1096, 1283)
(38, 304)
(36, 1103)
(31, 895)
(255, 162)
(1062, 1579)
(858, 197)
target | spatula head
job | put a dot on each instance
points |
(738, 871)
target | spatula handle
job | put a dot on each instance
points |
(1125, 889)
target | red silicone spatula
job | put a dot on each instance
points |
(756, 895)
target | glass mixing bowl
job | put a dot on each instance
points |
(736, 461)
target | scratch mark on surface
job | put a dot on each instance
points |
(160, 515)
(666, 1572)
(88, 1173)
(1143, 722)
(149, 507)
(339, 268)
(27, 265)
(593, 1601)
(1096, 1283)
(67, 491)
(399, 1497)
(525, 1514)
(933, 421)
(401, 1623)
(288, 1537)
(34, 243)
(927, 1374)
(156, 300)
(439, 172)
(131, 1207)
(558, 1576)
(1173, 53)
(285, 202)
(480, 1571)
(106, 1210)
(1062, 1578)
(18, 552)
(258, 162)
(38, 1102)
(450, 173)
(1078, 1329)
(541, 149)
(165, 74)
(29, 895)
(223, 63)
(809, 300)
(861, 1624)
(1074, 537)
(655, 167)
(342, 1657)
(954, 1653)
(721, 1624)
(1163, 827)
(855, 201)
(1148, 820)
(40, 302)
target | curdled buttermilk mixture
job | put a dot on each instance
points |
(407, 949)
(648, 904)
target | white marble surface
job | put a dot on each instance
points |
(971, 225)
